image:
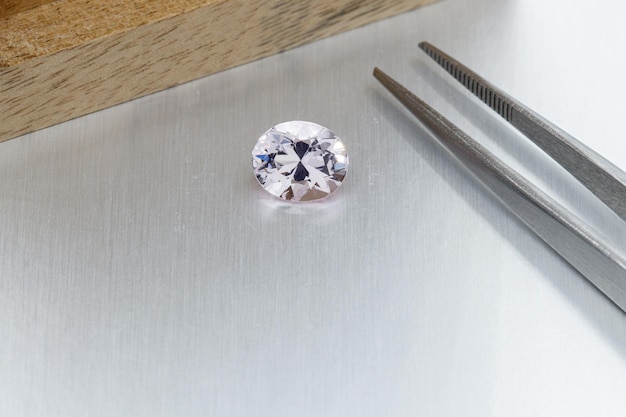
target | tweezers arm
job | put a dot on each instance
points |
(600, 176)
(578, 244)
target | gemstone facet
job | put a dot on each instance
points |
(299, 161)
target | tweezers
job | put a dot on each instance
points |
(577, 242)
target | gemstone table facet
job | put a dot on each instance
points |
(299, 161)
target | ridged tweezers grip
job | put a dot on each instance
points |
(605, 180)
(478, 86)
(575, 241)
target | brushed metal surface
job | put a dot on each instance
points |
(581, 246)
(143, 272)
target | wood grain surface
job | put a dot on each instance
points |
(61, 59)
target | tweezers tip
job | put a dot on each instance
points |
(379, 74)
(423, 45)
(383, 78)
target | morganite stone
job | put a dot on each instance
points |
(299, 161)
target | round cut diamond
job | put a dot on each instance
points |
(299, 161)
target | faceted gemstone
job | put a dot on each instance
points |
(299, 161)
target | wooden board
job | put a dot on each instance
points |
(61, 59)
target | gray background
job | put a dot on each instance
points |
(143, 272)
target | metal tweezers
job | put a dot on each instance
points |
(577, 242)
